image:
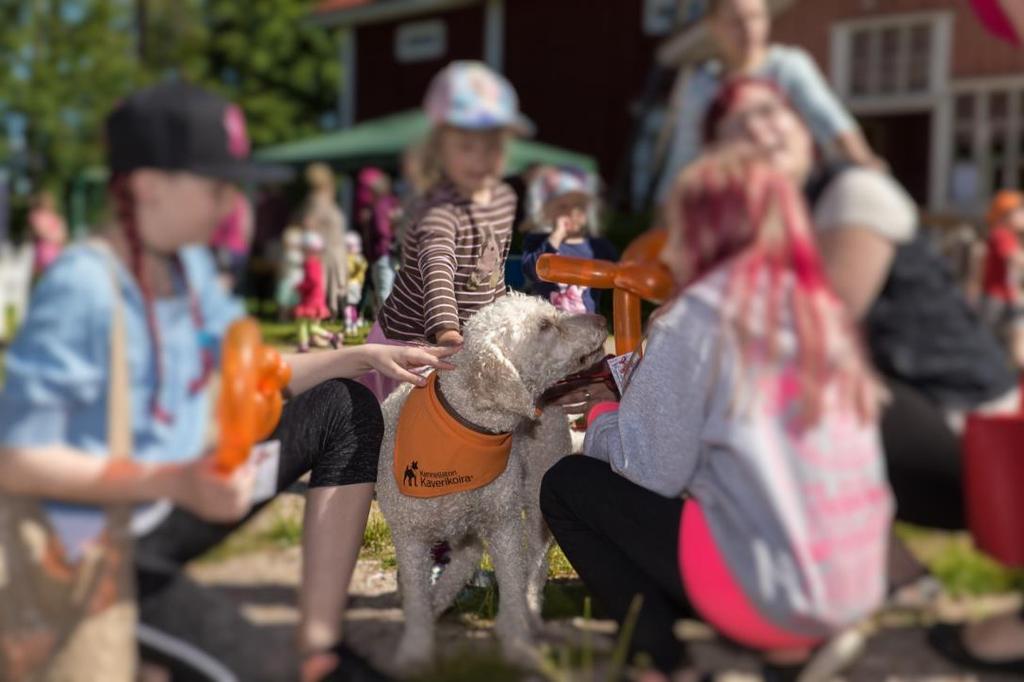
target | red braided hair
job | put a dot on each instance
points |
(124, 206)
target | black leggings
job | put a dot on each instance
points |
(923, 457)
(623, 541)
(333, 430)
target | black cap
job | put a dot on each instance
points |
(176, 126)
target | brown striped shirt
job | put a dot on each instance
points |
(453, 263)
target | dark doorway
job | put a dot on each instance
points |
(904, 140)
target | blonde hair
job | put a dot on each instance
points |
(320, 177)
(425, 158)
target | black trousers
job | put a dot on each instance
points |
(924, 461)
(623, 541)
(333, 430)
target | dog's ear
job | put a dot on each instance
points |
(497, 382)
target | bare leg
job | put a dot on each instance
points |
(1017, 344)
(1000, 638)
(333, 533)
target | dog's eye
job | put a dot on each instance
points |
(546, 325)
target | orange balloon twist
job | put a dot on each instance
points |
(252, 378)
(638, 275)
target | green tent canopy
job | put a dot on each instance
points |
(381, 142)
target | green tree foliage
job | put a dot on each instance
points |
(63, 64)
(175, 38)
(282, 69)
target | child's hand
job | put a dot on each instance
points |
(402, 362)
(561, 231)
(450, 338)
(211, 494)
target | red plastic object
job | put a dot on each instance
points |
(994, 485)
(637, 276)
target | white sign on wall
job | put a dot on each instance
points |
(421, 41)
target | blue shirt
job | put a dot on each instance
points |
(57, 368)
(791, 69)
(536, 245)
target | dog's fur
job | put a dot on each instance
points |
(514, 350)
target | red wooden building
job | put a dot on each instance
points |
(578, 65)
(938, 96)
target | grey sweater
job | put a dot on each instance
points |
(801, 517)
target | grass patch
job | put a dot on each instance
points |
(558, 564)
(952, 557)
(477, 602)
(563, 598)
(557, 663)
(954, 560)
(279, 333)
(377, 542)
(283, 531)
(286, 531)
(286, 333)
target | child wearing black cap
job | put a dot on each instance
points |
(175, 152)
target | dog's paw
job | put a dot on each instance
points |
(414, 655)
(521, 652)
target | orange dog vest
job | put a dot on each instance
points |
(437, 455)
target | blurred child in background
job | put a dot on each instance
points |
(357, 268)
(312, 307)
(563, 205)
(289, 272)
(1004, 267)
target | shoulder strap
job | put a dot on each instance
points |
(119, 408)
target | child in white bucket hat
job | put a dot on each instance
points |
(563, 206)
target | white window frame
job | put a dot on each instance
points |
(982, 89)
(935, 99)
(406, 35)
(841, 72)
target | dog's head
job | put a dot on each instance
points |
(519, 346)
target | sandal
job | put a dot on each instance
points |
(947, 641)
(339, 664)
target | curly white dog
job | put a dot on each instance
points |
(514, 350)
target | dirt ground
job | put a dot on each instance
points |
(243, 608)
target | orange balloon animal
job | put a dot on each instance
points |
(638, 275)
(249, 407)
